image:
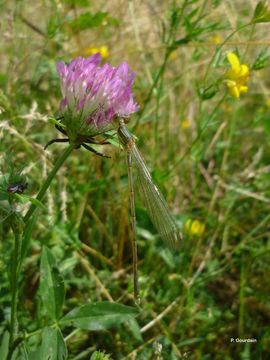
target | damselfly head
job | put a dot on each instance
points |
(119, 118)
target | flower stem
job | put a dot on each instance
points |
(30, 217)
(48, 181)
(15, 266)
(21, 245)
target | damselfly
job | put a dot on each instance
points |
(152, 198)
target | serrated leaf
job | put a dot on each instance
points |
(53, 346)
(99, 316)
(51, 286)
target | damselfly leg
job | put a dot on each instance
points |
(133, 222)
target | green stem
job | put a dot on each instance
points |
(39, 331)
(158, 76)
(48, 181)
(30, 217)
(242, 296)
(21, 248)
(15, 266)
(160, 80)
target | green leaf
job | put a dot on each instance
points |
(99, 316)
(183, 41)
(135, 329)
(36, 202)
(25, 199)
(3, 194)
(87, 20)
(261, 13)
(208, 92)
(27, 235)
(53, 26)
(190, 341)
(262, 61)
(217, 57)
(51, 286)
(20, 353)
(4, 346)
(53, 346)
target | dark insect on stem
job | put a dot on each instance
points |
(17, 188)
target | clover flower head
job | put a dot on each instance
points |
(93, 95)
(237, 77)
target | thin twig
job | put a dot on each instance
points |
(160, 316)
(99, 223)
(97, 254)
(88, 269)
(245, 192)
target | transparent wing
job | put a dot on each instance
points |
(155, 203)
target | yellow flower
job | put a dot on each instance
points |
(194, 227)
(173, 55)
(216, 39)
(90, 50)
(103, 50)
(237, 77)
(185, 124)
